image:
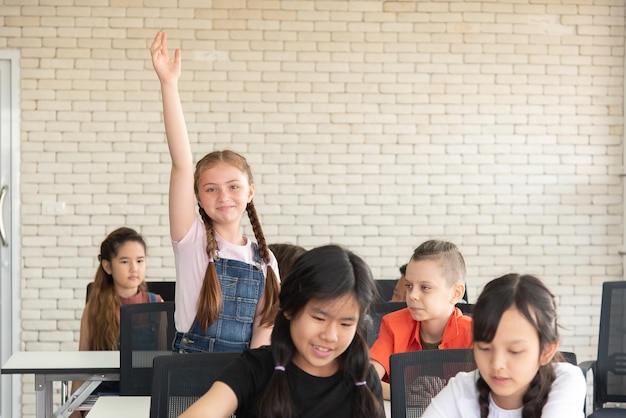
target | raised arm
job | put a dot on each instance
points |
(182, 204)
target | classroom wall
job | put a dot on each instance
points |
(374, 124)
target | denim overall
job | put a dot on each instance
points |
(242, 286)
(146, 338)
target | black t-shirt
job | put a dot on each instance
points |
(313, 397)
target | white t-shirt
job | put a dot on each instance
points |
(459, 399)
(191, 262)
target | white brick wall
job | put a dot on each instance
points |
(497, 125)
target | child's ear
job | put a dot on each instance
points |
(251, 193)
(458, 290)
(287, 315)
(106, 265)
(548, 353)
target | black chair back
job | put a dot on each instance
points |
(385, 289)
(180, 379)
(377, 311)
(569, 357)
(609, 367)
(146, 331)
(466, 308)
(417, 376)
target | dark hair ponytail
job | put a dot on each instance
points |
(323, 273)
(537, 304)
(537, 395)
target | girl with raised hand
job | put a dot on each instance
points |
(226, 285)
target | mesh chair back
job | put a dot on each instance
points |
(146, 331)
(466, 308)
(167, 290)
(418, 376)
(610, 374)
(377, 311)
(385, 289)
(180, 379)
(569, 357)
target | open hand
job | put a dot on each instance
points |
(166, 69)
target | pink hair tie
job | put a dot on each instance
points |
(363, 383)
(279, 368)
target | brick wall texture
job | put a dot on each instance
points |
(375, 124)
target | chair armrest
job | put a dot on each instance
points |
(587, 366)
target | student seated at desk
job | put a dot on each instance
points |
(520, 373)
(119, 280)
(435, 282)
(317, 364)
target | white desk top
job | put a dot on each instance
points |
(41, 362)
(121, 407)
(139, 407)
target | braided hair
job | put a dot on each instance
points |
(536, 303)
(210, 299)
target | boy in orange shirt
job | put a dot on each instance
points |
(435, 281)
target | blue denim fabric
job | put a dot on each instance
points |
(242, 285)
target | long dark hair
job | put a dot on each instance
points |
(537, 304)
(323, 273)
(210, 298)
(104, 304)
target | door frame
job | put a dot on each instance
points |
(10, 308)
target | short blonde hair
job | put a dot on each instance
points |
(451, 259)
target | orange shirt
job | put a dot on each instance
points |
(400, 333)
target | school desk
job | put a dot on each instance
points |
(92, 367)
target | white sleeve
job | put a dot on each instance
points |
(459, 399)
(568, 393)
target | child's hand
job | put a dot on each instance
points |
(166, 69)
